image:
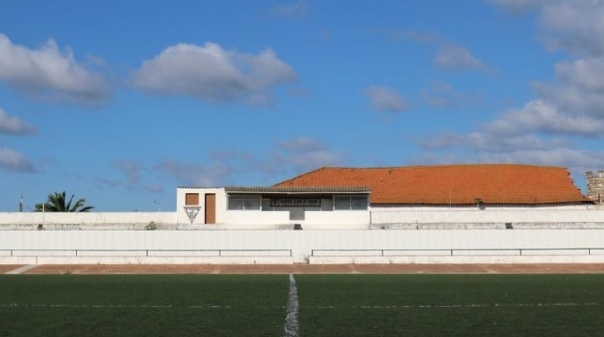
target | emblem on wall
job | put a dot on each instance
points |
(192, 212)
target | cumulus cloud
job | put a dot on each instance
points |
(297, 9)
(10, 159)
(455, 57)
(14, 161)
(574, 26)
(386, 99)
(212, 73)
(544, 116)
(14, 126)
(50, 74)
(583, 73)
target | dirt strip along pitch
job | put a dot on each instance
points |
(4, 268)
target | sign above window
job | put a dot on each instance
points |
(296, 202)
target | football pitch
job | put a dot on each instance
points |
(318, 305)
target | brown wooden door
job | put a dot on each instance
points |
(210, 209)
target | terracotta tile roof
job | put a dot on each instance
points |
(503, 184)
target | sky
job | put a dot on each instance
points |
(120, 102)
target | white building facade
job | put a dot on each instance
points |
(274, 207)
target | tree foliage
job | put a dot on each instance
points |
(57, 202)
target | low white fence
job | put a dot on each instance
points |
(280, 246)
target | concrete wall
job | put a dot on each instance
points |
(377, 218)
(279, 246)
(85, 220)
(488, 215)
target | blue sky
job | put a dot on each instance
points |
(120, 102)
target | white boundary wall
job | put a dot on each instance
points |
(500, 215)
(279, 246)
(128, 220)
(395, 218)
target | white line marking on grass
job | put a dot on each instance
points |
(111, 306)
(291, 319)
(458, 306)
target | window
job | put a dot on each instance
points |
(354, 202)
(358, 203)
(342, 203)
(244, 202)
(192, 199)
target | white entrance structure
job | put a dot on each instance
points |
(274, 207)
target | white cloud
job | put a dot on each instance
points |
(14, 126)
(574, 26)
(212, 73)
(585, 73)
(14, 161)
(50, 74)
(297, 9)
(386, 99)
(455, 57)
(539, 115)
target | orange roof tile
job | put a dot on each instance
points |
(503, 184)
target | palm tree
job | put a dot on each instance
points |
(56, 203)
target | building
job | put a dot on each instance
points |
(359, 198)
(275, 206)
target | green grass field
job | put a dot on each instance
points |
(329, 305)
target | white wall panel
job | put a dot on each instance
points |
(477, 216)
(301, 243)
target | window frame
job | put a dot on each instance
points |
(190, 199)
(246, 202)
(345, 202)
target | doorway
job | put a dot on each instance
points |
(210, 209)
